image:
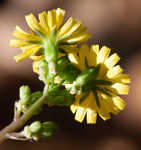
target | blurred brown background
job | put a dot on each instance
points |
(115, 23)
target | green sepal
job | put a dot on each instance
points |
(24, 94)
(87, 76)
(67, 71)
(96, 98)
(104, 90)
(83, 97)
(102, 82)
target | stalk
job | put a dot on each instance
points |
(17, 124)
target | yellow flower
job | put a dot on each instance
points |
(110, 82)
(48, 27)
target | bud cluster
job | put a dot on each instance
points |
(38, 130)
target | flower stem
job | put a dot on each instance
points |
(16, 124)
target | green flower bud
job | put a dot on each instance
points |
(23, 107)
(24, 94)
(26, 132)
(39, 130)
(48, 129)
(35, 127)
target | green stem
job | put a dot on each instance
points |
(15, 125)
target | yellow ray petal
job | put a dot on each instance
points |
(122, 78)
(121, 88)
(103, 112)
(69, 48)
(80, 114)
(35, 66)
(19, 43)
(37, 58)
(92, 57)
(73, 108)
(80, 38)
(66, 27)
(28, 52)
(113, 72)
(112, 60)
(52, 18)
(103, 54)
(95, 48)
(75, 105)
(91, 116)
(83, 53)
(44, 21)
(73, 57)
(19, 33)
(33, 23)
(60, 13)
(110, 105)
(81, 29)
(74, 28)
(119, 103)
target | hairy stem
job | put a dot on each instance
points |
(15, 125)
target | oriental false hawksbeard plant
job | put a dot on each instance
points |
(86, 79)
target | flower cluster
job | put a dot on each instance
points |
(88, 76)
(101, 91)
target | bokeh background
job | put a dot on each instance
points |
(115, 23)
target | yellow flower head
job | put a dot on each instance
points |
(48, 30)
(103, 97)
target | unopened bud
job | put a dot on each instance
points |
(24, 94)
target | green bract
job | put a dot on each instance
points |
(59, 96)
